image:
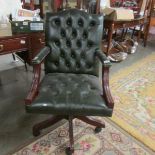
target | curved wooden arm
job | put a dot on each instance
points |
(35, 84)
(105, 85)
(103, 58)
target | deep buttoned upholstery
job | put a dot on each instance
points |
(73, 38)
(71, 85)
(74, 94)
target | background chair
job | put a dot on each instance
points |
(91, 6)
(147, 14)
(71, 88)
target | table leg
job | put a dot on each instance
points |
(110, 32)
(14, 57)
(146, 34)
(139, 33)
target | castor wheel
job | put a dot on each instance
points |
(97, 129)
(69, 151)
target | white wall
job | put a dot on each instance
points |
(8, 6)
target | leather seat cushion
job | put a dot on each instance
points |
(70, 94)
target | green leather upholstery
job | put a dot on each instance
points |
(74, 94)
(71, 85)
(73, 37)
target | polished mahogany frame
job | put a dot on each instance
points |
(54, 119)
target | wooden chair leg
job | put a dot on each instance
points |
(133, 32)
(91, 121)
(45, 124)
(70, 150)
(110, 32)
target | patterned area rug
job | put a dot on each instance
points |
(110, 141)
(133, 89)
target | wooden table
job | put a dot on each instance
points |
(111, 26)
(25, 45)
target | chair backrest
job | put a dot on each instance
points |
(73, 37)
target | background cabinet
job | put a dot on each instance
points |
(26, 46)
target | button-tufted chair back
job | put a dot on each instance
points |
(73, 37)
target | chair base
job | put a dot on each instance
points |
(54, 119)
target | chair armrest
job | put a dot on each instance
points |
(105, 78)
(35, 84)
(103, 58)
(105, 87)
(41, 55)
(38, 59)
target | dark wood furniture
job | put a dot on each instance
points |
(25, 45)
(80, 4)
(143, 21)
(111, 26)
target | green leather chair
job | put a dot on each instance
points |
(71, 87)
